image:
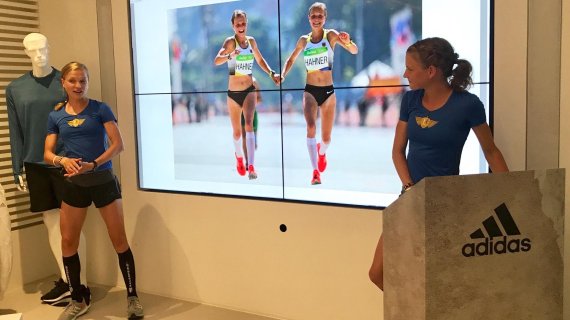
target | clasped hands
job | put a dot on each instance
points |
(75, 166)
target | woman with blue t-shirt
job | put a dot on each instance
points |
(91, 138)
(239, 51)
(435, 119)
(318, 52)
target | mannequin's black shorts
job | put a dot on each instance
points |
(45, 185)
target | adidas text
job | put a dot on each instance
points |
(489, 247)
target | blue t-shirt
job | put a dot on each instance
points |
(436, 138)
(83, 135)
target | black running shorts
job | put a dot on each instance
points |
(45, 185)
(82, 197)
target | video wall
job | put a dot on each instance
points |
(186, 123)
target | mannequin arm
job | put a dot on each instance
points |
(16, 136)
(21, 184)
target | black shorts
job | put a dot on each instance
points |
(321, 94)
(82, 197)
(45, 185)
(239, 96)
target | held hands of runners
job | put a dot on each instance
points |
(276, 78)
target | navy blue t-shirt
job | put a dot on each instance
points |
(83, 135)
(436, 138)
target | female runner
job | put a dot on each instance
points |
(318, 51)
(239, 51)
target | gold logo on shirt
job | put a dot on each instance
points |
(75, 122)
(425, 122)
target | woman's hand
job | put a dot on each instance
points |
(234, 53)
(72, 166)
(344, 37)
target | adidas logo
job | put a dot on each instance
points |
(505, 232)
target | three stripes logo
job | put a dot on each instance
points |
(506, 230)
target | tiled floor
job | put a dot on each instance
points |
(110, 304)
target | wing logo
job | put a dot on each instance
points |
(425, 122)
(75, 122)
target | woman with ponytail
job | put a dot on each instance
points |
(436, 116)
(91, 138)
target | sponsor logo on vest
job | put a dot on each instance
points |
(509, 241)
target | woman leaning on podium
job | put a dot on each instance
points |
(435, 119)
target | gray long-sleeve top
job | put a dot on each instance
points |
(29, 101)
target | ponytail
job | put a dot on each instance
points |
(59, 106)
(461, 76)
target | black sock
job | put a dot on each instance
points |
(127, 265)
(72, 267)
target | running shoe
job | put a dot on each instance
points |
(134, 308)
(316, 177)
(58, 294)
(252, 174)
(240, 166)
(77, 308)
(322, 159)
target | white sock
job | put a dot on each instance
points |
(238, 147)
(51, 221)
(250, 145)
(312, 147)
(323, 148)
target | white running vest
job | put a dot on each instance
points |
(242, 64)
(318, 56)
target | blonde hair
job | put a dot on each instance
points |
(72, 66)
(238, 13)
(318, 5)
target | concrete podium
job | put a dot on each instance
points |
(486, 246)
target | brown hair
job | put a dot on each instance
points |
(238, 13)
(72, 66)
(439, 53)
(318, 5)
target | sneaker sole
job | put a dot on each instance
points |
(61, 303)
(66, 295)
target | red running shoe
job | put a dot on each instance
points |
(316, 177)
(240, 166)
(252, 174)
(322, 159)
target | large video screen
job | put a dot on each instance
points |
(195, 131)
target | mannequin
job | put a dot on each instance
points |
(30, 99)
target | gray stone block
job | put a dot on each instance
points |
(486, 246)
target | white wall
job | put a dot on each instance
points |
(565, 138)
